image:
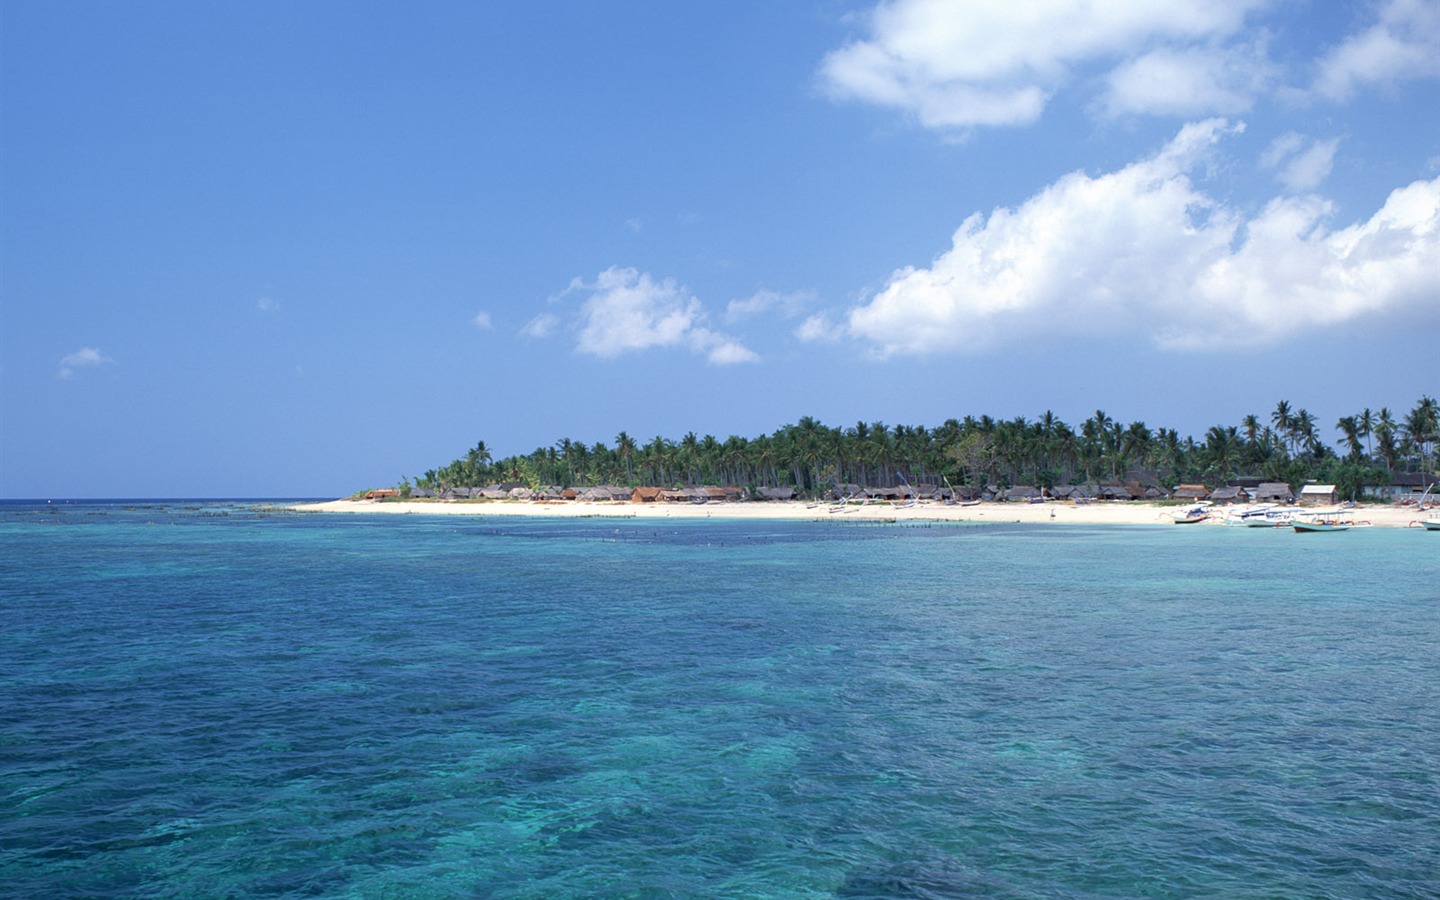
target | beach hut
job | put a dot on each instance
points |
(1190, 492)
(1319, 495)
(1023, 493)
(645, 495)
(1230, 494)
(1273, 492)
(776, 493)
(1113, 492)
(1070, 492)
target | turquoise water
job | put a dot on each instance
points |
(225, 700)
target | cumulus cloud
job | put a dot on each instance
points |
(1188, 81)
(956, 64)
(267, 304)
(625, 311)
(482, 321)
(1300, 164)
(1403, 44)
(1144, 254)
(84, 358)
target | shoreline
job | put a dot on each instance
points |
(1098, 513)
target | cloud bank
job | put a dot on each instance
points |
(1144, 254)
(965, 63)
(956, 65)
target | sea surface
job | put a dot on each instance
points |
(233, 700)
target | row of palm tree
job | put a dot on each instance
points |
(813, 457)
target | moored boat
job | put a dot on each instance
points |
(1191, 515)
(1320, 523)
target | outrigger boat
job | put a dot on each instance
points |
(1326, 521)
(1267, 516)
(1198, 513)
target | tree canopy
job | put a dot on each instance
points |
(813, 457)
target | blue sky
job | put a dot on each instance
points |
(297, 249)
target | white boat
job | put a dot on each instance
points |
(1267, 516)
(1191, 515)
(1327, 523)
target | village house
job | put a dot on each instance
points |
(1405, 486)
(1319, 495)
(1230, 494)
(1273, 492)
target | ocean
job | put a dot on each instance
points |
(212, 699)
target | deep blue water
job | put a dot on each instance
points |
(225, 700)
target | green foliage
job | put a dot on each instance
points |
(814, 457)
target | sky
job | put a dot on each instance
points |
(276, 249)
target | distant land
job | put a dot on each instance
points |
(1377, 451)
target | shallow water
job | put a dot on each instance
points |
(230, 700)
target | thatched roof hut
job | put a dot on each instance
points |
(1023, 493)
(776, 493)
(1232, 493)
(1190, 492)
(1274, 492)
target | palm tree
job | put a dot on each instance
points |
(625, 448)
(1349, 426)
(1283, 420)
(1385, 433)
(1422, 427)
(1251, 424)
(1366, 423)
(1222, 446)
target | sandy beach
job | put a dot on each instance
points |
(1095, 513)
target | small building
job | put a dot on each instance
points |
(1233, 493)
(1023, 493)
(1190, 492)
(775, 493)
(1405, 486)
(1086, 491)
(381, 494)
(1113, 492)
(645, 495)
(1319, 495)
(1273, 492)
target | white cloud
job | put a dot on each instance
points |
(956, 64)
(482, 321)
(1403, 44)
(625, 311)
(542, 326)
(819, 329)
(1143, 254)
(84, 358)
(786, 305)
(1300, 165)
(1188, 81)
(267, 304)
